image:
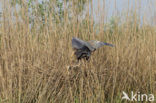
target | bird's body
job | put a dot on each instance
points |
(83, 53)
(84, 49)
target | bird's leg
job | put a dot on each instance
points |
(71, 61)
(72, 57)
(74, 63)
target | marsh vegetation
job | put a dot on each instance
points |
(35, 50)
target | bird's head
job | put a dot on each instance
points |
(97, 44)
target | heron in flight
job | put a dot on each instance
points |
(84, 49)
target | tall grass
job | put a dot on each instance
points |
(34, 61)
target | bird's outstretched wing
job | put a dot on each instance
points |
(79, 44)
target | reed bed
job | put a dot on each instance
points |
(34, 59)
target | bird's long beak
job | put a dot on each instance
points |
(109, 44)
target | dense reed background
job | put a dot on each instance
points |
(35, 53)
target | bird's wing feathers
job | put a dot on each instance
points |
(79, 44)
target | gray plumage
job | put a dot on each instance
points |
(84, 49)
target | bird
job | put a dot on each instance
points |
(125, 96)
(84, 49)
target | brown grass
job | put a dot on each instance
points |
(33, 63)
